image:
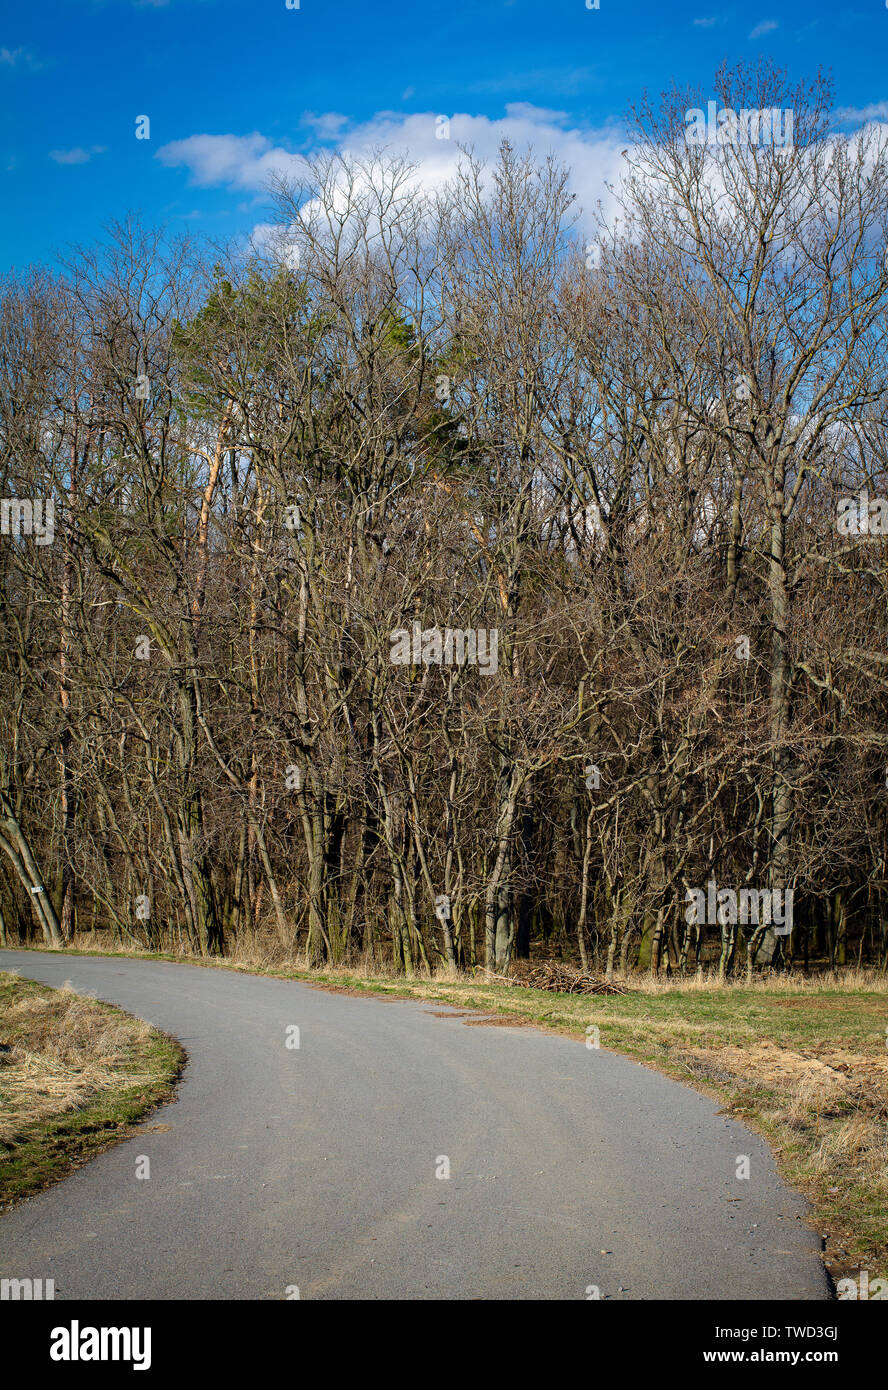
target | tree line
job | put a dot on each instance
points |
(443, 581)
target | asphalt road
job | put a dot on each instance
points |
(316, 1167)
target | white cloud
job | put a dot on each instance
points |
(704, 23)
(238, 161)
(19, 57)
(326, 126)
(858, 115)
(76, 156)
(272, 239)
(764, 27)
(245, 162)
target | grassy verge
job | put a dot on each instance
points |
(804, 1062)
(75, 1075)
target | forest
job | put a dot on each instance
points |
(456, 576)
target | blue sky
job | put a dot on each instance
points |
(236, 87)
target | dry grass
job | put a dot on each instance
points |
(71, 1070)
(262, 950)
(65, 1050)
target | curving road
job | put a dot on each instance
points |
(316, 1167)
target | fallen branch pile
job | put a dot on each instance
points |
(561, 978)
